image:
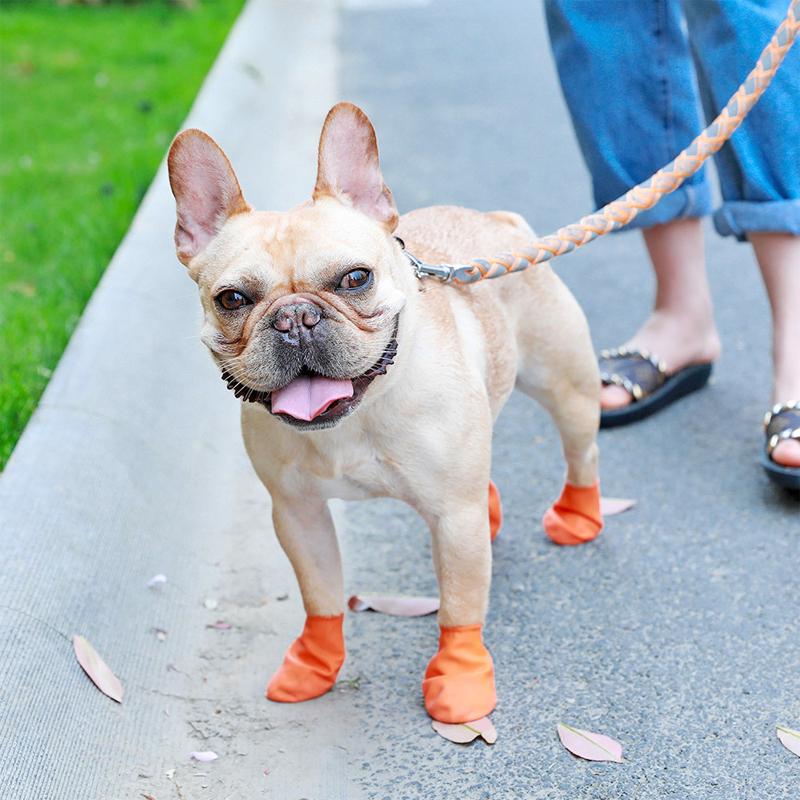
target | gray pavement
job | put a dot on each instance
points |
(676, 632)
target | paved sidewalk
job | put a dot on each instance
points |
(676, 632)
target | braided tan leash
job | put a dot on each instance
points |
(621, 211)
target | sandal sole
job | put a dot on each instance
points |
(787, 477)
(683, 382)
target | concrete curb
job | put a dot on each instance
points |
(133, 459)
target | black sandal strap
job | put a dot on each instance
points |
(782, 422)
(636, 371)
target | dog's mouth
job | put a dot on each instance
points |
(312, 401)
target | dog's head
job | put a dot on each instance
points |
(301, 307)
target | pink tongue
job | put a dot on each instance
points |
(307, 396)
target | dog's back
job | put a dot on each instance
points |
(502, 321)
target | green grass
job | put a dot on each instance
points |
(89, 100)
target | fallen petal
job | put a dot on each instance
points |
(592, 746)
(203, 755)
(460, 734)
(790, 739)
(396, 606)
(156, 580)
(98, 671)
(220, 625)
(485, 727)
(464, 733)
(357, 604)
(210, 603)
(160, 633)
(614, 505)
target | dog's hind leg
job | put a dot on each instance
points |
(575, 518)
(307, 535)
(560, 371)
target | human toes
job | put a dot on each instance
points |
(787, 453)
(614, 397)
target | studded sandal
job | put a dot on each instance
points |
(646, 379)
(780, 423)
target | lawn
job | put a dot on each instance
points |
(90, 97)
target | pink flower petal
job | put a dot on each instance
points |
(592, 746)
(203, 755)
(396, 606)
(220, 625)
(466, 732)
(790, 739)
(98, 671)
(357, 604)
(614, 505)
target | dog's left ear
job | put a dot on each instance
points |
(348, 167)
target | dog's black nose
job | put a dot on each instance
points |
(296, 317)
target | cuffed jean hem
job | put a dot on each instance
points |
(738, 218)
(693, 200)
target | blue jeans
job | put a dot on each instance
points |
(635, 74)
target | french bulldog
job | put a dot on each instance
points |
(358, 380)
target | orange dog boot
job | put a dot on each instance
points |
(459, 680)
(495, 511)
(312, 663)
(575, 518)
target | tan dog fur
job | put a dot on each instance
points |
(422, 432)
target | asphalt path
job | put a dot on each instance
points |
(676, 632)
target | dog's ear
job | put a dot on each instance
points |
(348, 167)
(206, 191)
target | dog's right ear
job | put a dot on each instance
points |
(206, 191)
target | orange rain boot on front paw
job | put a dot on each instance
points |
(575, 518)
(459, 680)
(495, 511)
(312, 663)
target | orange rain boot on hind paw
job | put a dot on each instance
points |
(575, 518)
(459, 681)
(312, 663)
(495, 511)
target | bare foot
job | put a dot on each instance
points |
(787, 452)
(681, 329)
(779, 256)
(677, 340)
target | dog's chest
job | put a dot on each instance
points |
(356, 470)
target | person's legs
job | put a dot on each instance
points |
(779, 258)
(628, 79)
(759, 168)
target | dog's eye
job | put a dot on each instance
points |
(232, 300)
(356, 279)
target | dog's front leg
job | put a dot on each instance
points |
(459, 680)
(307, 535)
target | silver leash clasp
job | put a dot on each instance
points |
(443, 272)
